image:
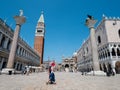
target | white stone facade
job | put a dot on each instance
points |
(69, 64)
(25, 55)
(107, 35)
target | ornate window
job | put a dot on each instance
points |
(118, 52)
(108, 53)
(99, 39)
(113, 52)
(119, 33)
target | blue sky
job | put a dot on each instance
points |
(64, 20)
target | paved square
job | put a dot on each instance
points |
(65, 81)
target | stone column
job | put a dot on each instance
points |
(19, 21)
(110, 50)
(1, 63)
(90, 23)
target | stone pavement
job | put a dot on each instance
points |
(65, 81)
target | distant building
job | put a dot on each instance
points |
(69, 64)
(107, 35)
(46, 64)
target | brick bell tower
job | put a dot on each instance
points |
(39, 37)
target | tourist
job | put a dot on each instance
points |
(51, 78)
(28, 70)
(23, 70)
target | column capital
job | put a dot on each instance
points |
(19, 20)
(90, 23)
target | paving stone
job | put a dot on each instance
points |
(65, 81)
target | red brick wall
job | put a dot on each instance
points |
(39, 46)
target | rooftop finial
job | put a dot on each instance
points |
(103, 15)
(21, 12)
(41, 19)
(90, 21)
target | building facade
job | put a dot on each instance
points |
(39, 38)
(69, 64)
(25, 55)
(107, 35)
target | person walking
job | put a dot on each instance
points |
(28, 70)
(51, 78)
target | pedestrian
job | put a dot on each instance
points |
(51, 78)
(23, 70)
(28, 70)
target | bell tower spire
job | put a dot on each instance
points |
(41, 19)
(40, 28)
(39, 37)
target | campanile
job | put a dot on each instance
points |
(39, 37)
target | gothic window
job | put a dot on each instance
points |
(118, 45)
(119, 33)
(87, 49)
(118, 52)
(99, 39)
(113, 52)
(108, 53)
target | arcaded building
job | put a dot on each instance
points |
(107, 35)
(25, 55)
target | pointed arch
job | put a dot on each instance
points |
(119, 33)
(99, 39)
(118, 52)
(113, 52)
